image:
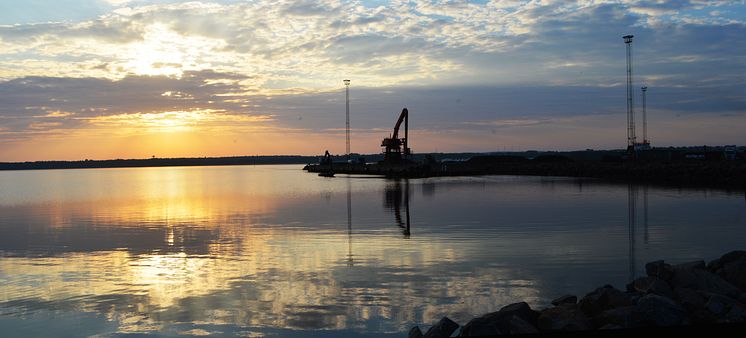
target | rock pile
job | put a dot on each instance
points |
(670, 295)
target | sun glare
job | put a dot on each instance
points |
(170, 121)
(166, 52)
(178, 121)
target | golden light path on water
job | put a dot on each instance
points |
(284, 266)
(158, 249)
(159, 281)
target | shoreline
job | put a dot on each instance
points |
(157, 162)
(720, 174)
(715, 174)
(671, 298)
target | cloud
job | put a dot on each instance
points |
(212, 101)
(512, 123)
(198, 99)
(459, 64)
(312, 45)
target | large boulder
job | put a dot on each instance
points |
(415, 332)
(719, 305)
(520, 326)
(732, 256)
(690, 299)
(693, 276)
(442, 329)
(659, 269)
(660, 311)
(737, 314)
(481, 327)
(499, 322)
(602, 299)
(653, 285)
(733, 271)
(565, 317)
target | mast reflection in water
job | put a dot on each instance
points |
(632, 197)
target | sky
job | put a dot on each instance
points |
(95, 79)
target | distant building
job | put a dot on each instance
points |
(705, 153)
(730, 152)
(642, 146)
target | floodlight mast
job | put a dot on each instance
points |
(644, 116)
(631, 138)
(347, 115)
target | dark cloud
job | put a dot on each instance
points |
(310, 8)
(365, 20)
(130, 94)
(112, 29)
(30, 101)
(672, 6)
(370, 49)
(452, 106)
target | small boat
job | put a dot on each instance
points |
(327, 174)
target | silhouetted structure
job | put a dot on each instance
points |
(631, 138)
(645, 140)
(347, 114)
(396, 149)
(670, 166)
(327, 158)
(327, 161)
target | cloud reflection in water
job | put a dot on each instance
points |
(262, 249)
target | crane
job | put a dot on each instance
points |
(393, 151)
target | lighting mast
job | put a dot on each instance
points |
(644, 116)
(631, 138)
(347, 114)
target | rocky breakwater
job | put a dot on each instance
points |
(679, 295)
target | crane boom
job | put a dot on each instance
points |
(393, 145)
(404, 116)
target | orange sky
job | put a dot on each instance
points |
(134, 79)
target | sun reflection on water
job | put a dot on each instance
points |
(262, 277)
(197, 250)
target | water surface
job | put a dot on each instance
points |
(274, 251)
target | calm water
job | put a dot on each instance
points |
(274, 251)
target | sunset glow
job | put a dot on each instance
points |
(80, 79)
(371, 168)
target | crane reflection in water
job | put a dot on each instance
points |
(397, 197)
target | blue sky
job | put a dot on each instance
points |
(34, 11)
(101, 79)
